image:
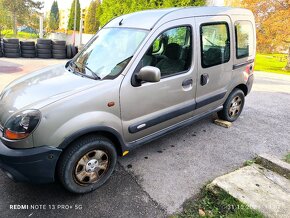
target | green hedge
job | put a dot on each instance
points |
(20, 35)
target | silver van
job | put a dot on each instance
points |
(140, 77)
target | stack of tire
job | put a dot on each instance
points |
(71, 51)
(1, 53)
(44, 48)
(11, 48)
(59, 49)
(28, 49)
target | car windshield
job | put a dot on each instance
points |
(108, 53)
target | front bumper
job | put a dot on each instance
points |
(34, 165)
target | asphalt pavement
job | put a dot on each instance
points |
(155, 179)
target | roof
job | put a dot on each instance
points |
(149, 18)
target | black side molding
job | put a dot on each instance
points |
(209, 100)
(236, 66)
(170, 129)
(156, 120)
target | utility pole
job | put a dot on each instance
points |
(41, 26)
(75, 24)
(81, 32)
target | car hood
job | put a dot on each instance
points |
(39, 89)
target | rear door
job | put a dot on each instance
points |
(214, 61)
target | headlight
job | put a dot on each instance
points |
(22, 124)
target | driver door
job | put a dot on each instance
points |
(151, 107)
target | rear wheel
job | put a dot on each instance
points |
(233, 106)
(87, 164)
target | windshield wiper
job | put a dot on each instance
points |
(93, 73)
(77, 69)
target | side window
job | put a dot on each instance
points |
(215, 44)
(170, 51)
(244, 39)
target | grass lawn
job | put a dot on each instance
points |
(271, 63)
(287, 158)
(220, 205)
(21, 35)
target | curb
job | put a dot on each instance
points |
(275, 164)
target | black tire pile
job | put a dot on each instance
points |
(28, 49)
(11, 48)
(71, 51)
(59, 49)
(44, 48)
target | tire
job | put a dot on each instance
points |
(68, 52)
(59, 56)
(44, 41)
(27, 43)
(59, 47)
(11, 50)
(43, 46)
(12, 55)
(73, 50)
(28, 51)
(10, 45)
(43, 51)
(44, 56)
(59, 42)
(27, 47)
(28, 55)
(12, 41)
(59, 52)
(233, 106)
(70, 163)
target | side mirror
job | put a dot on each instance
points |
(149, 74)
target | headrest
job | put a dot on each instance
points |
(173, 51)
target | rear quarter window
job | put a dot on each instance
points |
(244, 32)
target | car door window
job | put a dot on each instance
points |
(244, 39)
(215, 44)
(170, 51)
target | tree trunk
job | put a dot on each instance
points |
(14, 24)
(287, 67)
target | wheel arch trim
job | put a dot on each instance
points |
(109, 132)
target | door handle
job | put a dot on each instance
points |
(187, 82)
(204, 79)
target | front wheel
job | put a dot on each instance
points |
(87, 164)
(233, 106)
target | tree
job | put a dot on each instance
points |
(272, 22)
(20, 10)
(5, 19)
(72, 16)
(91, 21)
(113, 8)
(54, 17)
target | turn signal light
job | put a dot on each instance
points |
(14, 135)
